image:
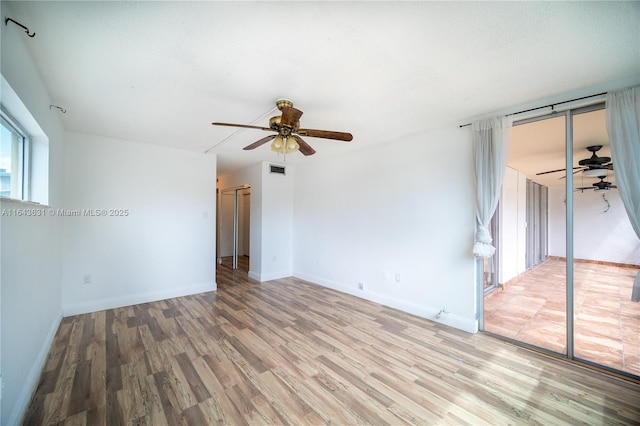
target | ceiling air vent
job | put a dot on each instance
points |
(277, 169)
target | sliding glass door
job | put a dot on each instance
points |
(607, 322)
(567, 253)
(530, 304)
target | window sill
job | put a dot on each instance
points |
(22, 202)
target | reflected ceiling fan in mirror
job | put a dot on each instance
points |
(593, 166)
(288, 136)
(603, 185)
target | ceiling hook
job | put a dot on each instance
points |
(26, 30)
(64, 111)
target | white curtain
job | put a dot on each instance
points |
(490, 146)
(623, 126)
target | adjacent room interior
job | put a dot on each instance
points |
(265, 213)
(526, 298)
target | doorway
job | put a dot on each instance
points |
(570, 293)
(234, 229)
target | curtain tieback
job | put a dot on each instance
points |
(482, 246)
(483, 235)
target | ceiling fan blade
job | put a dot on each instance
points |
(260, 142)
(290, 116)
(326, 134)
(580, 169)
(613, 186)
(305, 148)
(246, 126)
(558, 170)
(550, 171)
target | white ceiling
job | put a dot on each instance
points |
(161, 72)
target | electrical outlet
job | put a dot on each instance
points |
(361, 286)
(86, 279)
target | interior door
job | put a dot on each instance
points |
(233, 224)
(226, 227)
(245, 223)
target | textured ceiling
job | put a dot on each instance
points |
(161, 72)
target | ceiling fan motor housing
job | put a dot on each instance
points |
(594, 160)
(282, 103)
(274, 124)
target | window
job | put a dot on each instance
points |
(14, 159)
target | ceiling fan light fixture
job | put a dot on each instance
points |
(278, 144)
(292, 144)
(594, 172)
(283, 145)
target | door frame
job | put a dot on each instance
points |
(569, 115)
(236, 190)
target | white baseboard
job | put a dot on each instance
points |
(427, 312)
(269, 277)
(31, 381)
(134, 299)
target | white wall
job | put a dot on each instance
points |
(271, 219)
(31, 247)
(403, 209)
(164, 247)
(598, 235)
(513, 224)
(277, 223)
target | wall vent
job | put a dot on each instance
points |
(277, 169)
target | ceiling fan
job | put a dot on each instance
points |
(288, 132)
(593, 166)
(599, 186)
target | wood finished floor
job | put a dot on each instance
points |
(289, 352)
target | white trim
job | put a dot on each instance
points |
(269, 277)
(27, 203)
(33, 377)
(134, 299)
(426, 312)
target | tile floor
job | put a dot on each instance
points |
(607, 322)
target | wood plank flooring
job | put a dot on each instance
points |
(290, 352)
